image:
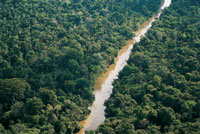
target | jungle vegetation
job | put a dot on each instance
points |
(51, 52)
(159, 90)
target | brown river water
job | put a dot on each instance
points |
(103, 85)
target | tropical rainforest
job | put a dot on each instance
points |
(51, 52)
(159, 90)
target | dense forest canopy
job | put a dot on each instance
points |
(159, 90)
(51, 52)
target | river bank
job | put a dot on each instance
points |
(103, 85)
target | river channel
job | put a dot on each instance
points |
(103, 85)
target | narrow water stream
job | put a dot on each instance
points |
(103, 85)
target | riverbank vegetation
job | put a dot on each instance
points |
(159, 90)
(51, 53)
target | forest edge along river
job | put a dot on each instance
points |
(103, 85)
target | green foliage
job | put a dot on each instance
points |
(161, 81)
(48, 96)
(51, 52)
(13, 90)
(22, 129)
(33, 106)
